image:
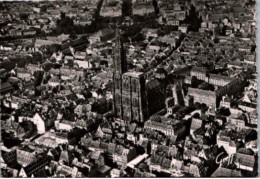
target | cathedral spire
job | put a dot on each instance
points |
(120, 63)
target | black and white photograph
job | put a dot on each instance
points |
(128, 88)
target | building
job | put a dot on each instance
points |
(143, 7)
(245, 159)
(36, 168)
(129, 87)
(203, 96)
(225, 172)
(177, 93)
(166, 126)
(111, 8)
(155, 96)
(25, 156)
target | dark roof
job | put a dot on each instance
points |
(224, 172)
(246, 160)
(66, 156)
(251, 105)
(2, 71)
(246, 151)
(36, 166)
(153, 84)
(161, 70)
(6, 87)
(10, 158)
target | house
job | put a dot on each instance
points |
(184, 28)
(25, 156)
(123, 155)
(195, 124)
(191, 154)
(6, 87)
(81, 109)
(14, 102)
(115, 173)
(245, 159)
(23, 74)
(66, 171)
(225, 172)
(39, 122)
(29, 32)
(153, 49)
(66, 157)
(41, 42)
(79, 55)
(3, 72)
(143, 7)
(226, 101)
(85, 64)
(65, 138)
(210, 154)
(237, 122)
(170, 151)
(172, 20)
(42, 122)
(64, 125)
(54, 81)
(227, 139)
(33, 68)
(160, 164)
(102, 35)
(9, 158)
(198, 169)
(172, 39)
(168, 127)
(145, 144)
(147, 33)
(119, 154)
(143, 174)
(36, 168)
(248, 107)
(104, 132)
(111, 9)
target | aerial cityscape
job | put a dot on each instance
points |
(128, 88)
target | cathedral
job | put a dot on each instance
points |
(130, 101)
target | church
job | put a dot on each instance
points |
(130, 101)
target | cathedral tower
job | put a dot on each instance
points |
(128, 87)
(120, 67)
(119, 60)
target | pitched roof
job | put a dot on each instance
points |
(246, 160)
(225, 172)
(246, 151)
(196, 123)
(5, 87)
(152, 84)
(10, 158)
(66, 156)
(33, 168)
